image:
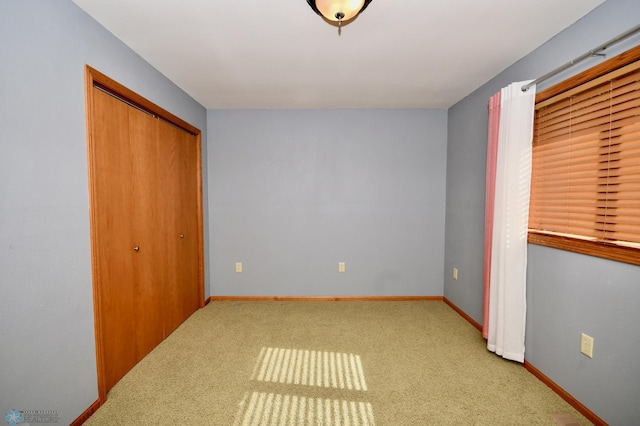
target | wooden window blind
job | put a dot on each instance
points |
(585, 183)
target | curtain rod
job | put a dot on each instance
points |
(593, 52)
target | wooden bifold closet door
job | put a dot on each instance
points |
(145, 231)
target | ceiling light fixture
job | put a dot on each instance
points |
(339, 12)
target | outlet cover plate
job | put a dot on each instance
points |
(586, 345)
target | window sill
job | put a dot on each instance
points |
(591, 248)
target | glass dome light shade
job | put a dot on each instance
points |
(330, 8)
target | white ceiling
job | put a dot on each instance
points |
(230, 54)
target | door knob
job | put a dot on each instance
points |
(136, 248)
(181, 235)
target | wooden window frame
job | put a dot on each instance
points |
(601, 249)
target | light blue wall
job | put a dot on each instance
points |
(570, 294)
(295, 192)
(567, 293)
(47, 359)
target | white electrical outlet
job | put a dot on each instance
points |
(238, 266)
(341, 267)
(455, 273)
(586, 345)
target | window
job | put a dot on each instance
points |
(585, 182)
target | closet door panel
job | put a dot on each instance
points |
(116, 233)
(149, 276)
(181, 285)
(188, 266)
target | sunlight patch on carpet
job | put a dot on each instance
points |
(566, 419)
(262, 408)
(310, 368)
(303, 367)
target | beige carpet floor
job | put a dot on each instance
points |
(328, 363)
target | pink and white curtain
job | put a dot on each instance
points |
(508, 182)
